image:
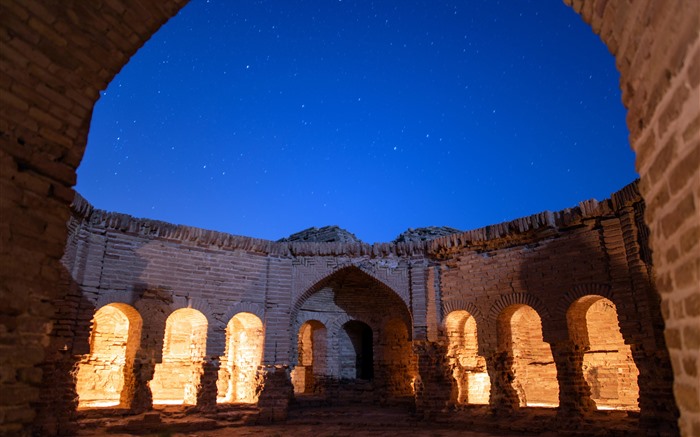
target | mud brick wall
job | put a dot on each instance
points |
(547, 263)
(531, 290)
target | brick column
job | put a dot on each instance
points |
(206, 395)
(434, 385)
(418, 276)
(656, 403)
(504, 398)
(574, 392)
(59, 400)
(276, 392)
(141, 397)
(126, 398)
(69, 343)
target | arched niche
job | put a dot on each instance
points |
(608, 366)
(468, 367)
(237, 381)
(103, 377)
(535, 374)
(176, 378)
(312, 351)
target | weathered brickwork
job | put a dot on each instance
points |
(55, 58)
(523, 317)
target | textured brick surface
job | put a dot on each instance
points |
(516, 283)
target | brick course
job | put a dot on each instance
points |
(505, 278)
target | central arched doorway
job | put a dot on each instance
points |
(362, 351)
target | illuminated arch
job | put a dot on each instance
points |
(176, 378)
(468, 367)
(520, 335)
(608, 366)
(323, 279)
(103, 377)
(237, 381)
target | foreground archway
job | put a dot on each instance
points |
(468, 367)
(46, 113)
(237, 381)
(176, 378)
(608, 366)
(535, 374)
(103, 378)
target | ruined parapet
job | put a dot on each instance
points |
(425, 234)
(535, 227)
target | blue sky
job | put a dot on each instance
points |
(263, 118)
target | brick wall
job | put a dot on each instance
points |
(657, 51)
(545, 263)
(514, 311)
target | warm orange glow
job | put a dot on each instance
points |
(608, 365)
(237, 380)
(396, 361)
(176, 378)
(116, 331)
(520, 333)
(468, 367)
(311, 361)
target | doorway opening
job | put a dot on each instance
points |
(535, 374)
(468, 367)
(102, 378)
(237, 381)
(312, 347)
(176, 378)
(357, 351)
(608, 366)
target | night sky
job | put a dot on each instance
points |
(263, 118)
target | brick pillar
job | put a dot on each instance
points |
(574, 392)
(153, 307)
(69, 343)
(126, 399)
(59, 400)
(649, 350)
(656, 404)
(276, 391)
(141, 397)
(434, 385)
(503, 397)
(206, 395)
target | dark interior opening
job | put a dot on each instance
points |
(361, 336)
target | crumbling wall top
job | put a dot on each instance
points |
(334, 241)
